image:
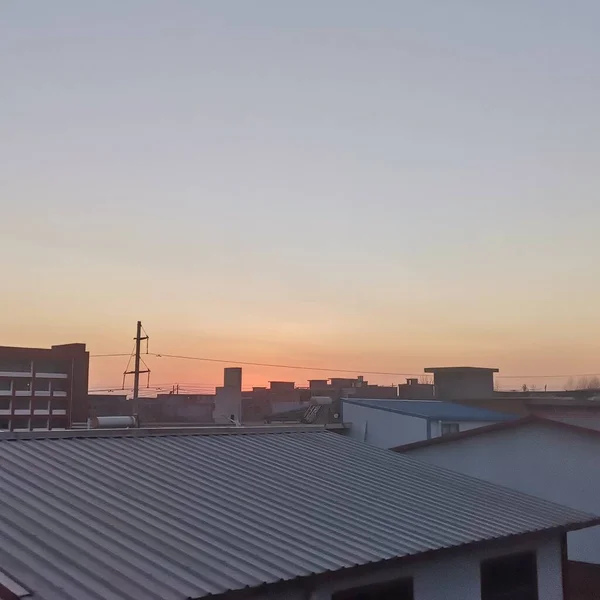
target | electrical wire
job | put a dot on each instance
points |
(277, 366)
(581, 376)
(331, 370)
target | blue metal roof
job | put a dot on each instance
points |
(433, 409)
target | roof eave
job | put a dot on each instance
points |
(495, 427)
(312, 580)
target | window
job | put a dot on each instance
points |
(40, 403)
(39, 423)
(22, 404)
(51, 366)
(59, 403)
(450, 428)
(511, 577)
(15, 366)
(22, 385)
(42, 385)
(20, 422)
(394, 590)
(59, 385)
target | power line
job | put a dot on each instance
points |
(276, 366)
(366, 372)
(546, 376)
(325, 369)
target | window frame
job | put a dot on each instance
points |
(455, 428)
(529, 555)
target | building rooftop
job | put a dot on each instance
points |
(433, 409)
(460, 370)
(137, 515)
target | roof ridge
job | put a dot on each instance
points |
(55, 434)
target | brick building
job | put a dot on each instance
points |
(43, 388)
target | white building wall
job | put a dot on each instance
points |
(457, 576)
(382, 428)
(557, 465)
(228, 403)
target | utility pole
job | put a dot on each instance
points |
(136, 371)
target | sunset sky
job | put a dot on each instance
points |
(383, 185)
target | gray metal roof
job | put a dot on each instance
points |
(436, 410)
(169, 517)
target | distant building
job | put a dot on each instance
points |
(184, 408)
(232, 377)
(413, 390)
(43, 388)
(338, 387)
(279, 387)
(389, 423)
(320, 410)
(109, 405)
(228, 398)
(280, 396)
(452, 383)
(195, 409)
(283, 397)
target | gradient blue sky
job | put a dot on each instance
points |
(383, 184)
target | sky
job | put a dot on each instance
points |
(380, 186)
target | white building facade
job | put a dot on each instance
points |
(390, 423)
(550, 460)
(454, 576)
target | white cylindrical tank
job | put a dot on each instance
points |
(116, 422)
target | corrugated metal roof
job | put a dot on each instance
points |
(434, 409)
(176, 516)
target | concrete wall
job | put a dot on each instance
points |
(457, 577)
(558, 465)
(416, 391)
(228, 402)
(279, 407)
(451, 385)
(232, 377)
(382, 428)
